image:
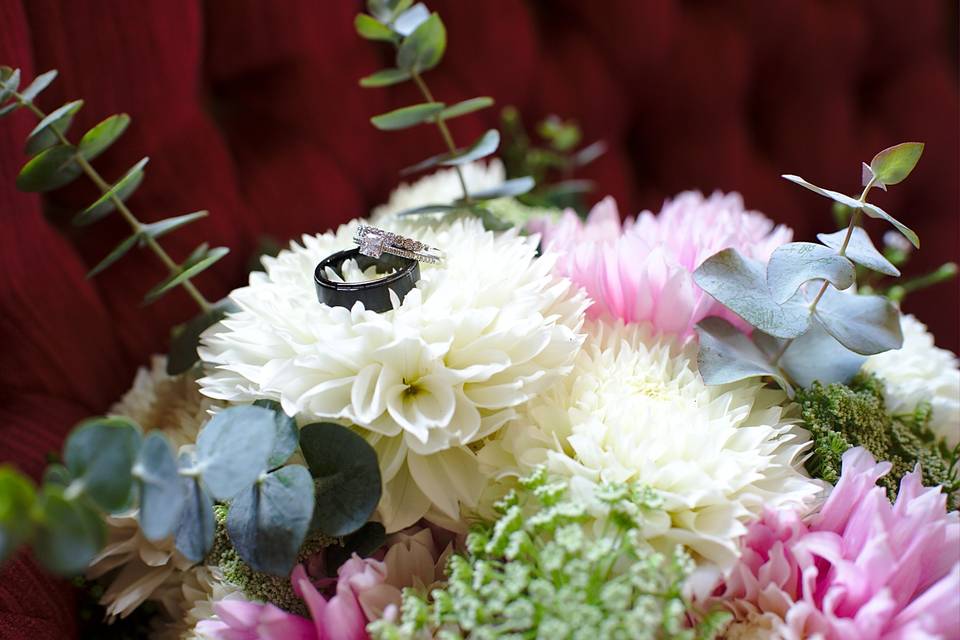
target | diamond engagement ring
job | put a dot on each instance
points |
(374, 242)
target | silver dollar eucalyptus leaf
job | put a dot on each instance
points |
(797, 262)
(815, 355)
(860, 249)
(740, 284)
(864, 324)
(727, 355)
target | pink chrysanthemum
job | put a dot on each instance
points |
(642, 270)
(860, 568)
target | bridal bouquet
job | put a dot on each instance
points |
(476, 413)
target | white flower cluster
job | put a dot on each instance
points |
(477, 337)
(634, 409)
(921, 372)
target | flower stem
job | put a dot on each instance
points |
(121, 206)
(854, 219)
(444, 132)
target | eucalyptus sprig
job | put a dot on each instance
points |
(551, 160)
(55, 162)
(111, 467)
(420, 40)
(807, 327)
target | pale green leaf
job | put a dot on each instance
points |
(864, 324)
(100, 137)
(195, 531)
(192, 267)
(506, 189)
(874, 211)
(69, 533)
(384, 78)
(233, 448)
(407, 116)
(106, 203)
(268, 522)
(815, 355)
(17, 496)
(44, 135)
(163, 227)
(727, 355)
(423, 49)
(50, 169)
(795, 263)
(853, 203)
(99, 454)
(370, 28)
(409, 19)
(39, 83)
(183, 344)
(161, 493)
(9, 82)
(894, 164)
(118, 252)
(484, 146)
(860, 249)
(465, 107)
(740, 284)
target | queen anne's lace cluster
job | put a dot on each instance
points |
(476, 338)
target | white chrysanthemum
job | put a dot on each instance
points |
(136, 568)
(172, 404)
(635, 409)
(200, 589)
(441, 187)
(921, 372)
(477, 337)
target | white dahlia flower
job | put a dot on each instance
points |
(635, 409)
(921, 372)
(477, 337)
(441, 187)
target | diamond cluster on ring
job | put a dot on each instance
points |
(375, 242)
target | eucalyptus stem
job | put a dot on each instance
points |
(444, 132)
(121, 206)
(854, 219)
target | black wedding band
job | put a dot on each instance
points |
(374, 294)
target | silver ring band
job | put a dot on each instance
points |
(374, 242)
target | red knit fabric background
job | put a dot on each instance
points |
(251, 108)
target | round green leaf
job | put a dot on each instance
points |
(287, 434)
(39, 83)
(118, 252)
(44, 135)
(465, 107)
(99, 138)
(268, 522)
(795, 263)
(853, 203)
(69, 533)
(370, 28)
(107, 202)
(99, 454)
(9, 82)
(874, 211)
(407, 116)
(17, 496)
(860, 249)
(57, 474)
(423, 49)
(347, 477)
(195, 531)
(740, 284)
(863, 324)
(384, 78)
(815, 355)
(50, 169)
(233, 447)
(894, 164)
(194, 265)
(161, 493)
(727, 355)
